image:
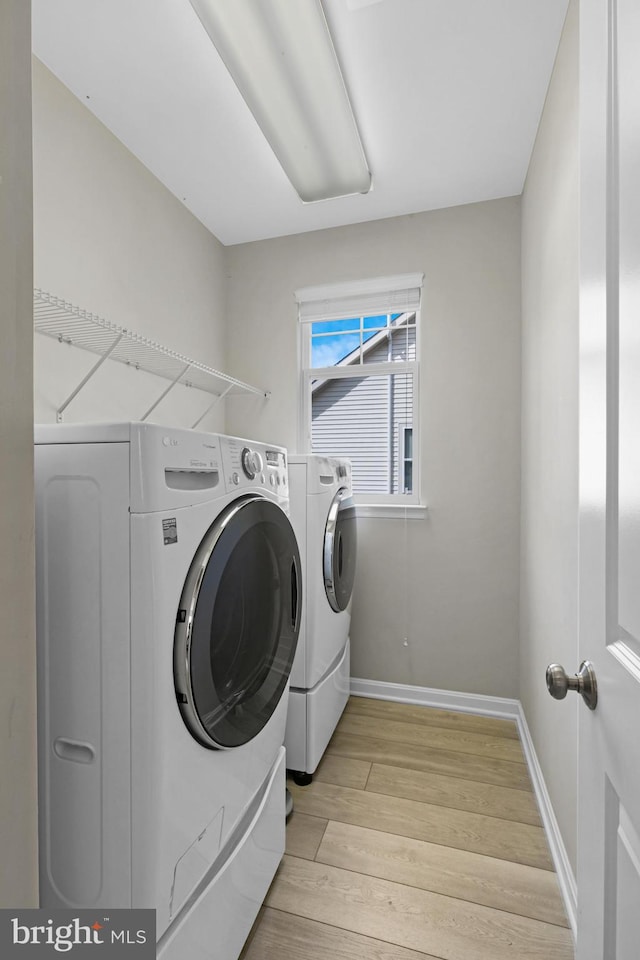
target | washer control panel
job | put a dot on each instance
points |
(249, 465)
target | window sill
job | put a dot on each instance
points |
(391, 511)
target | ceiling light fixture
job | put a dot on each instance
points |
(282, 59)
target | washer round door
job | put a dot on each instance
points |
(340, 544)
(238, 622)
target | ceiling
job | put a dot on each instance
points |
(447, 93)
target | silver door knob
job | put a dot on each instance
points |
(583, 682)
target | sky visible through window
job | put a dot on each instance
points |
(333, 340)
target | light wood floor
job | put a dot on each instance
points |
(419, 838)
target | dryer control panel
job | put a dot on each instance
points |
(323, 475)
(250, 465)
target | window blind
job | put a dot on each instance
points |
(399, 294)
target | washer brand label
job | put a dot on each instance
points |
(170, 531)
(48, 933)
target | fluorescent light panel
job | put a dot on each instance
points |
(282, 59)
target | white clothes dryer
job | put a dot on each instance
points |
(168, 609)
(323, 517)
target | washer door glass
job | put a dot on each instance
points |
(339, 558)
(238, 623)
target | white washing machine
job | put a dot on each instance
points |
(323, 517)
(168, 609)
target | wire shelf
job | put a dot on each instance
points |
(69, 324)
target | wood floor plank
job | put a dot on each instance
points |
(343, 771)
(487, 798)
(440, 738)
(432, 716)
(304, 834)
(282, 936)
(513, 887)
(450, 763)
(476, 832)
(412, 918)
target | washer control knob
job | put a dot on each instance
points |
(251, 463)
(271, 480)
(248, 463)
(235, 478)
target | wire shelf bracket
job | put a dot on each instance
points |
(62, 321)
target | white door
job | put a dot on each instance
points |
(609, 737)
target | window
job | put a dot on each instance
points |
(359, 382)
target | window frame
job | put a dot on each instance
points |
(361, 370)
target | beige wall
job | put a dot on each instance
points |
(112, 240)
(18, 817)
(449, 583)
(549, 556)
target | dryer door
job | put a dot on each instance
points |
(339, 557)
(238, 622)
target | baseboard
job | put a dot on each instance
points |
(491, 707)
(565, 874)
(430, 697)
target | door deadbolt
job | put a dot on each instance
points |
(583, 682)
